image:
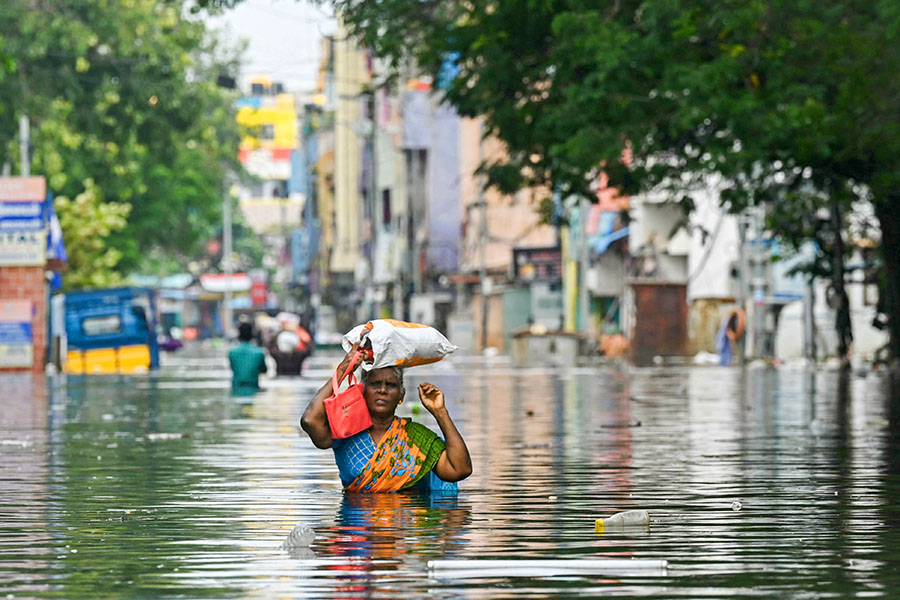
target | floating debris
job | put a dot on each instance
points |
(622, 425)
(300, 536)
(20, 443)
(471, 569)
(622, 521)
(156, 437)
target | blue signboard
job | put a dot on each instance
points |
(15, 333)
(22, 216)
(23, 205)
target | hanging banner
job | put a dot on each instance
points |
(16, 347)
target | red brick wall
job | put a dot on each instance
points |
(27, 283)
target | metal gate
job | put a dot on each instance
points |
(660, 321)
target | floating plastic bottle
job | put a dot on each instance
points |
(300, 536)
(630, 519)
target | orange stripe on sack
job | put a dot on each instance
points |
(405, 325)
(416, 361)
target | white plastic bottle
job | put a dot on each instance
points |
(630, 519)
(300, 536)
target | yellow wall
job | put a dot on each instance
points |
(281, 114)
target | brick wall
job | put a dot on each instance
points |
(28, 283)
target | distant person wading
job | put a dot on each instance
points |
(247, 362)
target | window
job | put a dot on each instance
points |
(101, 325)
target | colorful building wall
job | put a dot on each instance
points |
(269, 119)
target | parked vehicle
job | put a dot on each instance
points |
(106, 331)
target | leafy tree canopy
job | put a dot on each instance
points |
(123, 95)
(87, 222)
(747, 90)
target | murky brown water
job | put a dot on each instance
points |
(96, 504)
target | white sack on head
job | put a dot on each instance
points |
(400, 344)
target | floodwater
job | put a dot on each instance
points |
(760, 483)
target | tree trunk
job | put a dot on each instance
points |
(888, 212)
(843, 325)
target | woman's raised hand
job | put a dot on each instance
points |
(432, 397)
(454, 463)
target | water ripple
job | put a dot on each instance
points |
(759, 484)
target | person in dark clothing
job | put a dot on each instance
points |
(290, 348)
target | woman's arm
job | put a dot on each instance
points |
(314, 420)
(455, 463)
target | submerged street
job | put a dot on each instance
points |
(759, 483)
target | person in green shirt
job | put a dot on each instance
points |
(247, 362)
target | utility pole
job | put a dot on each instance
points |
(759, 285)
(809, 321)
(743, 278)
(417, 210)
(309, 214)
(583, 311)
(226, 262)
(482, 245)
(375, 311)
(24, 143)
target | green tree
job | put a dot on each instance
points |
(771, 97)
(124, 94)
(88, 222)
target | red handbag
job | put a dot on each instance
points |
(347, 411)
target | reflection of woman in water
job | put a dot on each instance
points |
(395, 453)
(389, 526)
(375, 532)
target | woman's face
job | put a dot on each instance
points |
(382, 392)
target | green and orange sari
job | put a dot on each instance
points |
(404, 458)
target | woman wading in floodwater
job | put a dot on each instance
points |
(394, 453)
